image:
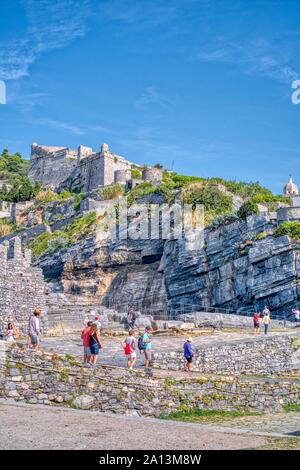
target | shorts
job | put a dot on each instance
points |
(148, 354)
(94, 348)
(189, 359)
(35, 340)
(256, 325)
(87, 350)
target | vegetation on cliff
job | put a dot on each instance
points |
(220, 197)
(48, 242)
(13, 173)
(288, 228)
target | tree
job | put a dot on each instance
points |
(246, 209)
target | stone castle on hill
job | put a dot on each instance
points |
(84, 169)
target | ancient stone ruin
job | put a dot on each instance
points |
(84, 169)
(22, 287)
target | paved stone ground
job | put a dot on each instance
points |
(29, 427)
(112, 352)
(284, 423)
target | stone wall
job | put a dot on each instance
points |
(254, 356)
(51, 165)
(50, 379)
(22, 287)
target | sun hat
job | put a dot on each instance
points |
(190, 339)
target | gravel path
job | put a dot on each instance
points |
(41, 427)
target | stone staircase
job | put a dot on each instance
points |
(70, 317)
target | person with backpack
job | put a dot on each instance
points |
(95, 343)
(145, 345)
(256, 319)
(129, 345)
(188, 354)
(85, 336)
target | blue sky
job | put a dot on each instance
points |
(203, 85)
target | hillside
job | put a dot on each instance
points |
(247, 259)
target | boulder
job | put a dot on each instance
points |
(84, 402)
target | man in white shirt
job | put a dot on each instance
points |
(34, 330)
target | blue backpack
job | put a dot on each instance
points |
(141, 345)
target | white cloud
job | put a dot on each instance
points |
(255, 57)
(150, 98)
(49, 25)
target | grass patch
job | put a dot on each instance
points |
(112, 191)
(295, 408)
(207, 416)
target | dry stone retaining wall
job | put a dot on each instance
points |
(50, 379)
(255, 356)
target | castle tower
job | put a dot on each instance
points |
(290, 189)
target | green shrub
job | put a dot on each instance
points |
(40, 244)
(269, 198)
(135, 173)
(46, 196)
(50, 242)
(81, 227)
(246, 209)
(112, 191)
(77, 201)
(288, 228)
(139, 191)
(215, 202)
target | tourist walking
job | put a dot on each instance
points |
(34, 330)
(266, 311)
(129, 346)
(188, 354)
(131, 318)
(256, 319)
(85, 336)
(146, 346)
(95, 343)
(266, 323)
(9, 333)
(97, 322)
(296, 312)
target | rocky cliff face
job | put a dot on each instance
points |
(235, 270)
(242, 266)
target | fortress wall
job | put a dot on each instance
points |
(51, 169)
(91, 172)
(111, 164)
